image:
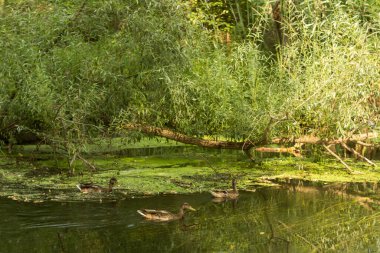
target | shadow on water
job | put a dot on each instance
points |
(170, 150)
(366, 194)
(294, 218)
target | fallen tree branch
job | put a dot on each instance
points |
(344, 145)
(169, 134)
(246, 145)
(338, 158)
(291, 150)
(316, 140)
(365, 144)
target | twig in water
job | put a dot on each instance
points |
(349, 170)
(358, 154)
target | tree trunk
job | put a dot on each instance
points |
(169, 134)
(246, 145)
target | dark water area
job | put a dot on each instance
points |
(372, 153)
(268, 220)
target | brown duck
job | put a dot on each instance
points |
(227, 194)
(162, 215)
(90, 187)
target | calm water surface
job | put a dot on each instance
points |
(268, 220)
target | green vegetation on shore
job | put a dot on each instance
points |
(35, 175)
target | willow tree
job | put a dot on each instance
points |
(321, 86)
(75, 70)
(70, 68)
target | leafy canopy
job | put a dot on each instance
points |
(71, 69)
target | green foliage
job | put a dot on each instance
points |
(324, 80)
(238, 17)
(213, 14)
(329, 71)
(74, 69)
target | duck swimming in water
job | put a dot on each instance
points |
(162, 215)
(226, 194)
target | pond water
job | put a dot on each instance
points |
(268, 220)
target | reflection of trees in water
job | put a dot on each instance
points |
(301, 219)
(232, 226)
(108, 240)
(333, 222)
(275, 243)
(273, 221)
(78, 240)
(364, 193)
(280, 221)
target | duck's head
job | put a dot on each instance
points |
(187, 206)
(113, 181)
